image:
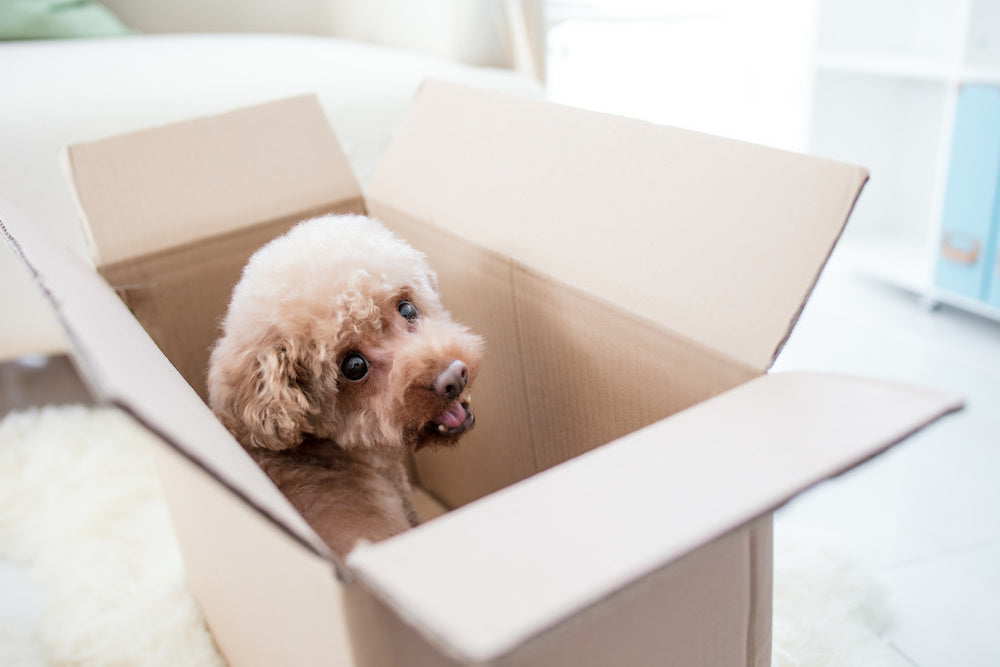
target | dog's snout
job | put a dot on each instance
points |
(451, 382)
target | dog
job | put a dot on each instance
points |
(336, 360)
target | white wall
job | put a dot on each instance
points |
(737, 69)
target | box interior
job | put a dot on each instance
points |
(633, 270)
(603, 311)
(564, 373)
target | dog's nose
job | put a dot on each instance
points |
(452, 380)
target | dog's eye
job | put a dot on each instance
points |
(408, 310)
(354, 367)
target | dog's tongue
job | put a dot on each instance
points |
(452, 417)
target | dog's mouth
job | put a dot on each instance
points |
(455, 420)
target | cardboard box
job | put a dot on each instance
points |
(634, 284)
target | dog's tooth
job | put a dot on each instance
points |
(468, 401)
(442, 428)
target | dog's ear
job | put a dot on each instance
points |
(265, 396)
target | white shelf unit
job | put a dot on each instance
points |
(887, 76)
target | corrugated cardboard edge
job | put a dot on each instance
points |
(66, 167)
(865, 177)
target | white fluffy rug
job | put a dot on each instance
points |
(81, 513)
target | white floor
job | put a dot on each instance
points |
(924, 517)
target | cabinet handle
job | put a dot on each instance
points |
(967, 255)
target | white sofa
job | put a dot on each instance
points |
(58, 92)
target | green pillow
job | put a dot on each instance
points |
(49, 19)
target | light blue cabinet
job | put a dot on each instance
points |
(967, 254)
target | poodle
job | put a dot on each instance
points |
(337, 360)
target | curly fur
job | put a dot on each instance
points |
(329, 288)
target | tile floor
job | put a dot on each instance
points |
(924, 517)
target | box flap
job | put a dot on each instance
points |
(567, 538)
(712, 607)
(147, 191)
(173, 213)
(122, 366)
(718, 240)
(266, 600)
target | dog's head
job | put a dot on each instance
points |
(336, 330)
